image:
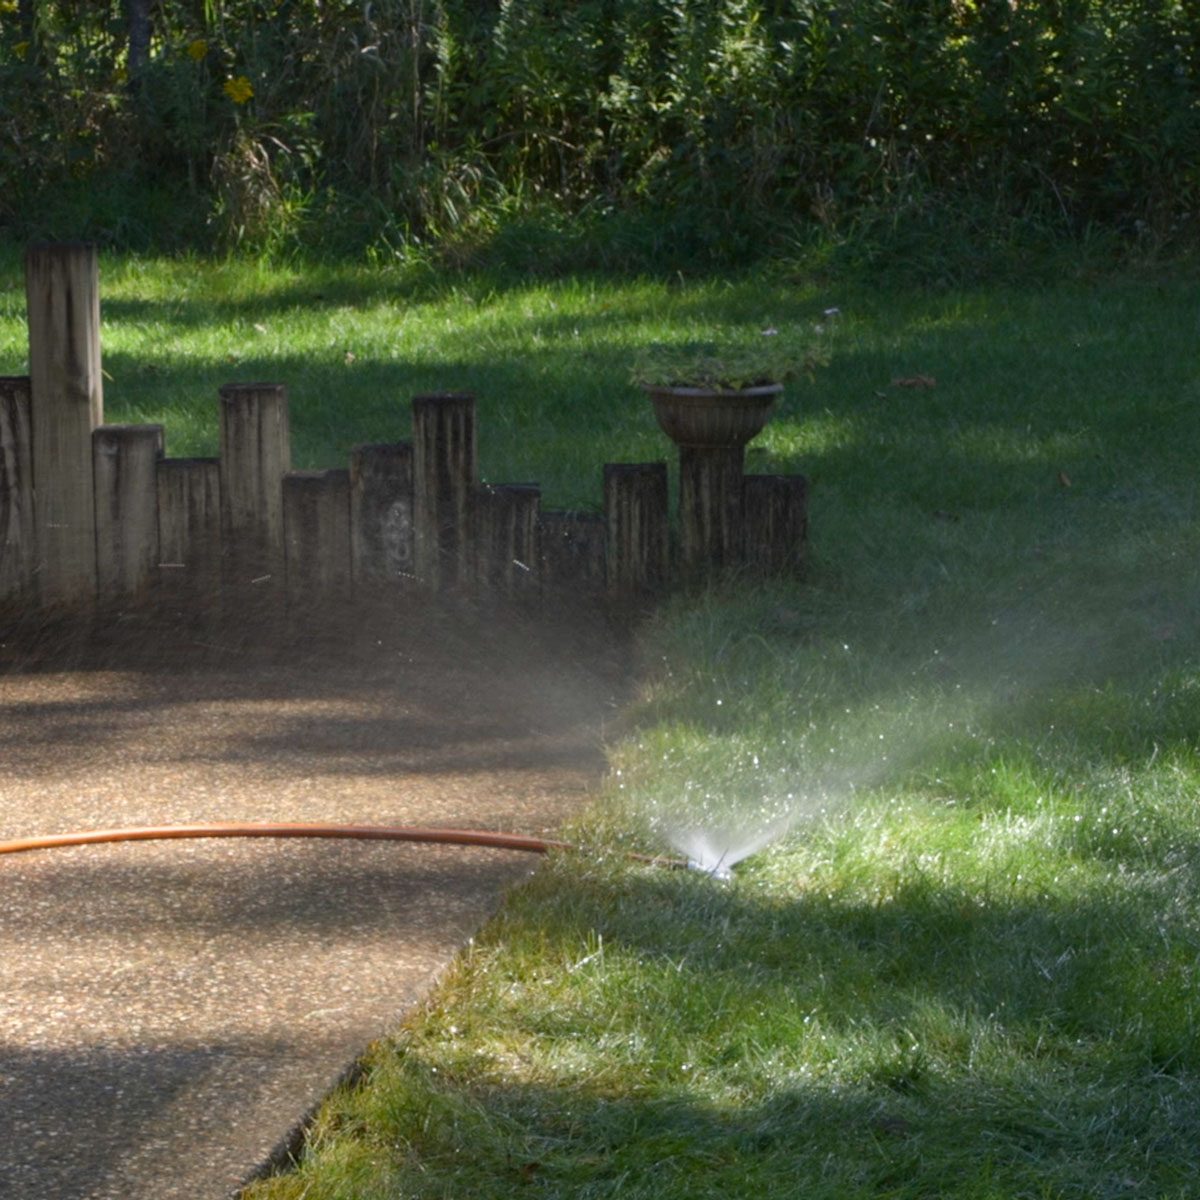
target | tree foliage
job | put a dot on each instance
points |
(421, 119)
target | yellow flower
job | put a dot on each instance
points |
(238, 89)
(8, 6)
(21, 49)
(197, 50)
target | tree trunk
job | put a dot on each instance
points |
(139, 39)
(27, 24)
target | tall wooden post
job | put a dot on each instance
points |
(255, 455)
(444, 474)
(776, 509)
(16, 493)
(62, 286)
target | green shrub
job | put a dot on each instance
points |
(740, 125)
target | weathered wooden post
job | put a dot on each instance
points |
(63, 298)
(573, 553)
(381, 514)
(316, 523)
(776, 516)
(189, 531)
(505, 537)
(16, 493)
(255, 456)
(125, 475)
(636, 514)
(444, 476)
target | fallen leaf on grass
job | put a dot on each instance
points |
(915, 381)
(1064, 479)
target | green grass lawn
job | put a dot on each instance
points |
(969, 966)
(549, 363)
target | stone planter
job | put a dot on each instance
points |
(692, 416)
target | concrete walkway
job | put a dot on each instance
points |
(170, 1012)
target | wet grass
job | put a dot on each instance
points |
(971, 968)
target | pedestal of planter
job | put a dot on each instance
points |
(711, 429)
(711, 514)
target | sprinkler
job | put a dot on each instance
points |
(715, 852)
(300, 829)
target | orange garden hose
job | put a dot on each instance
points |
(303, 829)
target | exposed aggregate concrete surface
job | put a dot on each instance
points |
(170, 1012)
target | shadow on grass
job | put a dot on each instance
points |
(1051, 388)
(974, 1139)
(938, 1042)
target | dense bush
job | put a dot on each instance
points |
(709, 126)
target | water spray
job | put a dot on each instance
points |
(716, 852)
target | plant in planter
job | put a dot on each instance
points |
(710, 399)
(721, 392)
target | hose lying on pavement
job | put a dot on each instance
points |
(304, 829)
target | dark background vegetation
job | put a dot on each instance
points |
(628, 134)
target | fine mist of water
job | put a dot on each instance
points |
(716, 851)
(717, 825)
(810, 735)
(717, 798)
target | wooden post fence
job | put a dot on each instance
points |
(444, 479)
(639, 549)
(94, 513)
(711, 527)
(316, 522)
(507, 536)
(189, 532)
(776, 524)
(574, 555)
